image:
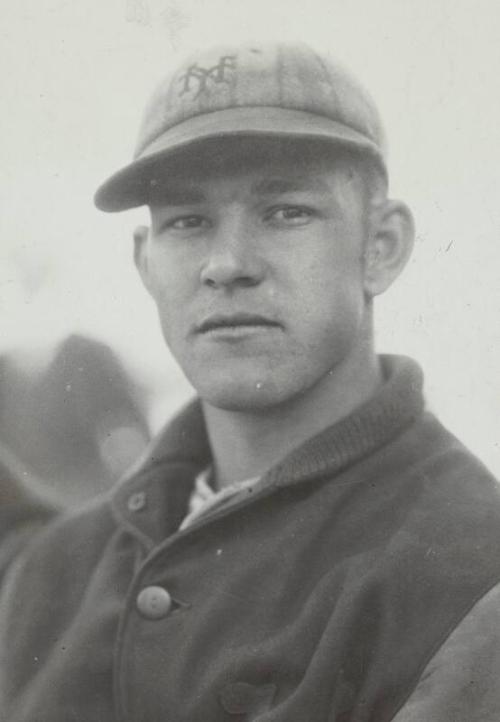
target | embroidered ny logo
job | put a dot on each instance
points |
(201, 75)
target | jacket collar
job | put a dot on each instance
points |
(152, 500)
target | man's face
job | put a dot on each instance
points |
(257, 272)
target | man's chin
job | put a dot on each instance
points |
(253, 384)
(240, 399)
(239, 394)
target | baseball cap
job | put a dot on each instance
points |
(287, 91)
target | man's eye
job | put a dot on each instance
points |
(186, 223)
(291, 215)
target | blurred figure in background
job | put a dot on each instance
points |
(24, 507)
(78, 423)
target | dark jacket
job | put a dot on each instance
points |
(322, 596)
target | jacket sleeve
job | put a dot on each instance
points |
(461, 682)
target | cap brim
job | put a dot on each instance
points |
(130, 186)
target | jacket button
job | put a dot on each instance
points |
(154, 602)
(136, 501)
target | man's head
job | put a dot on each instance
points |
(271, 230)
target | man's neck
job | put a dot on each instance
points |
(246, 444)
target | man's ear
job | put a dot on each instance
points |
(141, 235)
(389, 245)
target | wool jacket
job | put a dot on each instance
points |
(322, 596)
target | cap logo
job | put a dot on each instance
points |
(200, 76)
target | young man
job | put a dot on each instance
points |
(304, 542)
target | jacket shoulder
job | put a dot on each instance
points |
(57, 562)
(428, 451)
(447, 464)
(82, 532)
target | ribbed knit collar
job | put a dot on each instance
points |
(397, 403)
(183, 445)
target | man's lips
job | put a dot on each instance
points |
(236, 320)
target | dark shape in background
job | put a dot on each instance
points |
(24, 507)
(78, 424)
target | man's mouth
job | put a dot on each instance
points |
(235, 322)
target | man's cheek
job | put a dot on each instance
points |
(171, 323)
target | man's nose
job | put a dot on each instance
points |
(232, 257)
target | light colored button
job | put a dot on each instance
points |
(154, 602)
(136, 501)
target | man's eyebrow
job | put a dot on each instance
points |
(277, 186)
(181, 195)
